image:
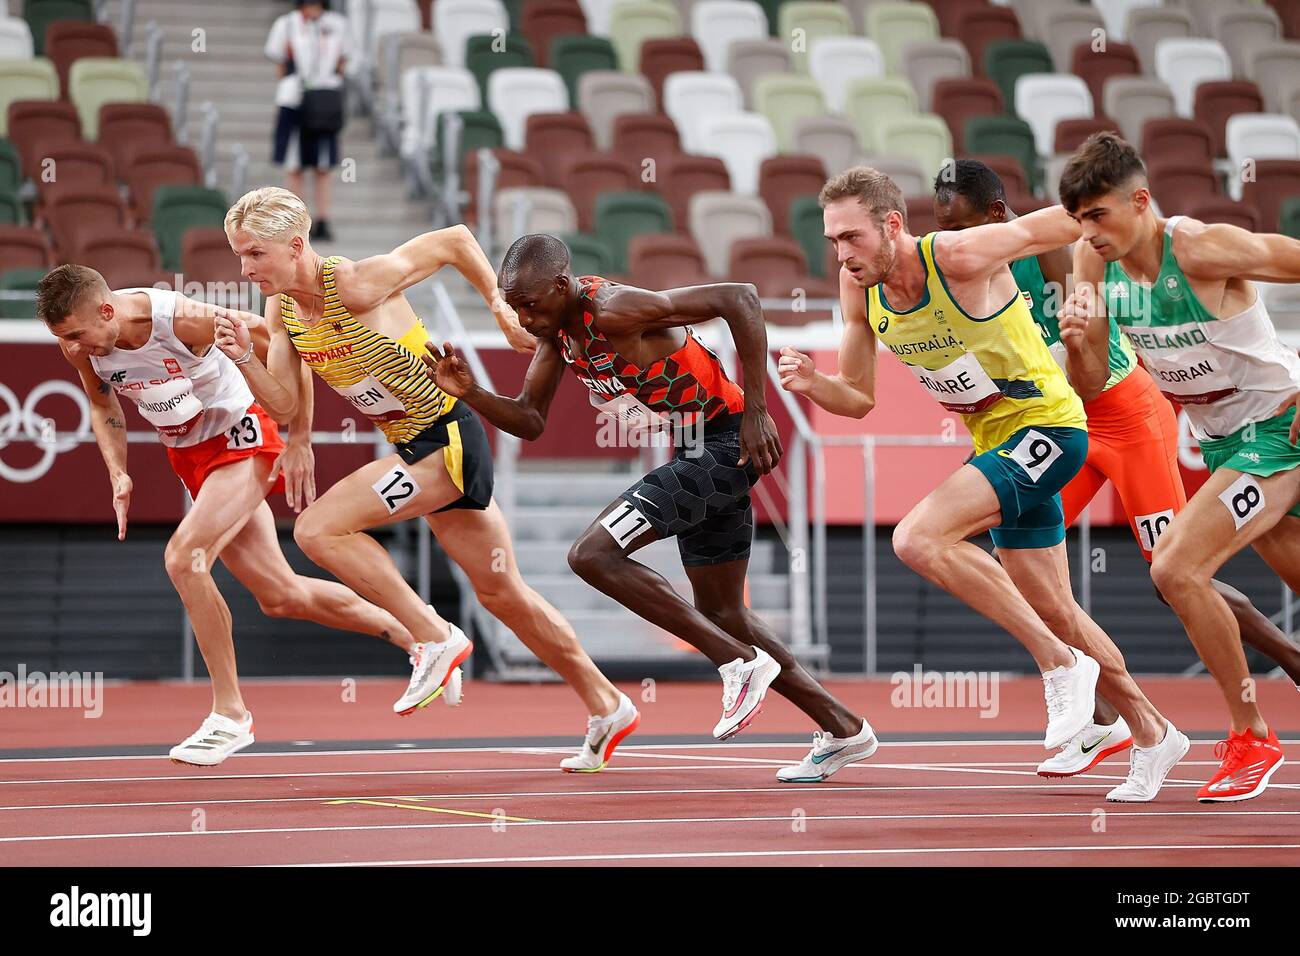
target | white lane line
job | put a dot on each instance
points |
(643, 821)
(390, 751)
(745, 854)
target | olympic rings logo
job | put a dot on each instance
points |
(39, 430)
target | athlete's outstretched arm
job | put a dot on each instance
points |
(109, 425)
(524, 416)
(1220, 251)
(981, 250)
(365, 285)
(852, 391)
(629, 309)
(1084, 326)
(275, 385)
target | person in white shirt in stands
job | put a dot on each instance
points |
(311, 45)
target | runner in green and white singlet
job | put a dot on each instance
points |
(1183, 293)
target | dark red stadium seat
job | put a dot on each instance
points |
(978, 26)
(1274, 181)
(544, 20)
(71, 164)
(206, 256)
(665, 55)
(75, 214)
(24, 247)
(957, 100)
(781, 179)
(684, 176)
(1221, 209)
(555, 138)
(126, 128)
(517, 170)
(67, 41)
(119, 257)
(1175, 138)
(666, 261)
(642, 136)
(159, 166)
(589, 174)
(1217, 100)
(1096, 67)
(43, 122)
(1070, 133)
(1176, 183)
(950, 13)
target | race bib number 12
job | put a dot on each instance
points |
(396, 488)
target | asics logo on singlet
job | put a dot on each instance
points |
(884, 324)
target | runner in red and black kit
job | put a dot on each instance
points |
(635, 352)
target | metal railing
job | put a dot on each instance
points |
(180, 113)
(208, 142)
(153, 59)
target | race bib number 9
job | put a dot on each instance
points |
(1035, 453)
(396, 488)
(247, 434)
(1244, 498)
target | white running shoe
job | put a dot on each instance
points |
(216, 739)
(744, 684)
(603, 735)
(1087, 748)
(1148, 767)
(829, 754)
(453, 693)
(1071, 696)
(433, 667)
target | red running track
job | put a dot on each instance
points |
(332, 782)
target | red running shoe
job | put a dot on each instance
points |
(1248, 762)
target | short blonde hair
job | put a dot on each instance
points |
(878, 193)
(269, 213)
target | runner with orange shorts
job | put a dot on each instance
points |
(1132, 438)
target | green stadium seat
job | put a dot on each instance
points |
(572, 56)
(177, 208)
(588, 255)
(622, 215)
(1007, 135)
(1005, 61)
(41, 13)
(20, 280)
(482, 57)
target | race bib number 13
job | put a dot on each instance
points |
(247, 434)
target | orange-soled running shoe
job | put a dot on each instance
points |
(1248, 762)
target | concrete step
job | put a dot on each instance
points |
(545, 490)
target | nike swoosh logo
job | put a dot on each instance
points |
(826, 756)
(739, 700)
(637, 494)
(595, 748)
(1094, 745)
(294, 335)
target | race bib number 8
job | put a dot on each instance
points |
(1244, 498)
(396, 488)
(624, 523)
(1035, 453)
(247, 434)
(1151, 527)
